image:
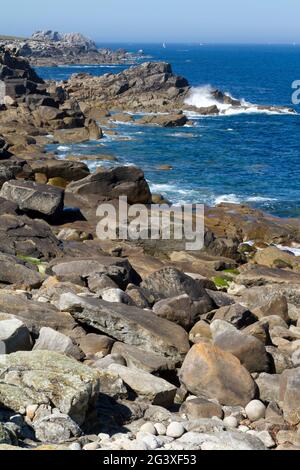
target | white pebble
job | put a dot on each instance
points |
(160, 429)
(255, 410)
(149, 428)
(243, 428)
(175, 430)
(103, 436)
(230, 422)
(91, 446)
(152, 442)
(75, 446)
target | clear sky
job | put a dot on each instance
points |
(256, 21)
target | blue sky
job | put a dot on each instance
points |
(256, 21)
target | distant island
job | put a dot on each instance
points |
(51, 48)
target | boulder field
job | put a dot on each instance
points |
(134, 345)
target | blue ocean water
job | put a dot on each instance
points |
(250, 157)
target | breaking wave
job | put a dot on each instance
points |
(201, 97)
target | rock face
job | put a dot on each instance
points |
(30, 196)
(151, 85)
(110, 184)
(27, 237)
(248, 349)
(15, 336)
(42, 377)
(14, 271)
(18, 79)
(129, 324)
(209, 372)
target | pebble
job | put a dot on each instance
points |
(103, 436)
(265, 437)
(30, 411)
(91, 446)
(152, 442)
(255, 410)
(149, 428)
(230, 422)
(243, 428)
(160, 429)
(75, 446)
(175, 430)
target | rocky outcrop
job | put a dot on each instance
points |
(110, 184)
(151, 86)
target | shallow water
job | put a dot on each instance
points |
(246, 157)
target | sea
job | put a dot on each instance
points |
(250, 157)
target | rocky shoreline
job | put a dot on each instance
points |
(51, 49)
(117, 345)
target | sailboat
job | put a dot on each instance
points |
(164, 45)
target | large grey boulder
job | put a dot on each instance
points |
(110, 184)
(130, 325)
(14, 336)
(290, 395)
(30, 196)
(49, 378)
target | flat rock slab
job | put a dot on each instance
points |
(146, 386)
(43, 377)
(256, 275)
(130, 325)
(118, 269)
(30, 196)
(35, 315)
(137, 358)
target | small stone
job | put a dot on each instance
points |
(30, 411)
(230, 422)
(160, 429)
(103, 436)
(266, 438)
(75, 446)
(91, 446)
(255, 410)
(243, 428)
(149, 428)
(175, 430)
(152, 442)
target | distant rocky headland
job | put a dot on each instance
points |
(133, 345)
(51, 48)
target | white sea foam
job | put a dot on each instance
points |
(260, 199)
(295, 248)
(201, 97)
(63, 148)
(230, 198)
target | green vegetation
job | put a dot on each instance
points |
(221, 282)
(37, 262)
